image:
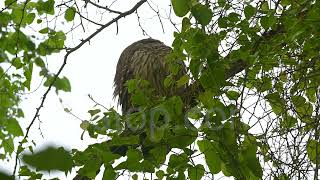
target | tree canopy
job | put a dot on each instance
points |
(256, 116)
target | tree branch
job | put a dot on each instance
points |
(102, 7)
(69, 52)
(240, 64)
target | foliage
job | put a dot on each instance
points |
(20, 52)
(256, 115)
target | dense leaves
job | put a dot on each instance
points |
(20, 50)
(253, 89)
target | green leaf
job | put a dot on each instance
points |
(232, 95)
(28, 75)
(186, 24)
(94, 111)
(70, 14)
(202, 13)
(84, 125)
(276, 102)
(263, 84)
(181, 7)
(46, 7)
(160, 174)
(178, 162)
(110, 120)
(233, 17)
(13, 127)
(265, 6)
(168, 81)
(313, 150)
(16, 15)
(303, 108)
(268, 21)
(5, 18)
(24, 171)
(54, 43)
(264, 22)
(8, 145)
(298, 101)
(142, 93)
(91, 161)
(109, 173)
(195, 113)
(44, 30)
(16, 62)
(249, 158)
(288, 122)
(223, 22)
(135, 177)
(9, 2)
(222, 3)
(211, 155)
(60, 84)
(132, 85)
(29, 18)
(157, 133)
(63, 84)
(50, 158)
(147, 166)
(39, 62)
(20, 113)
(181, 137)
(285, 2)
(183, 80)
(196, 172)
(311, 93)
(194, 66)
(132, 163)
(158, 154)
(249, 11)
(213, 78)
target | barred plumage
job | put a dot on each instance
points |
(144, 59)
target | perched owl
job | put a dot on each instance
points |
(144, 59)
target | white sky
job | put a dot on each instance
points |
(90, 70)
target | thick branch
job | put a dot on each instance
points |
(235, 67)
(240, 64)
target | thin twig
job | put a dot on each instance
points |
(97, 103)
(103, 7)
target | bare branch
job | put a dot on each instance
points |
(103, 7)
